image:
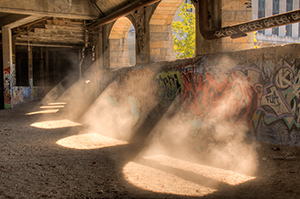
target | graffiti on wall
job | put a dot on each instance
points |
(169, 86)
(7, 88)
(25, 94)
(278, 115)
(261, 91)
(230, 96)
(17, 95)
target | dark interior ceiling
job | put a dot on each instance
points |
(63, 31)
(106, 7)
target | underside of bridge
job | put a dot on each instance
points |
(46, 42)
(102, 69)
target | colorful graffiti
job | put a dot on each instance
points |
(260, 89)
(7, 88)
(169, 86)
(25, 94)
(17, 95)
(279, 105)
(230, 96)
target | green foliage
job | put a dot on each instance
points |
(184, 32)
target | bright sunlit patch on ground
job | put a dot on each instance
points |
(53, 124)
(43, 112)
(89, 141)
(52, 106)
(57, 103)
(173, 176)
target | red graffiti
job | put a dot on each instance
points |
(232, 99)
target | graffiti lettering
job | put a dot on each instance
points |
(273, 99)
(169, 87)
(254, 26)
(225, 32)
(296, 16)
(284, 78)
(206, 96)
(7, 88)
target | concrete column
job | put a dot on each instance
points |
(106, 46)
(282, 8)
(7, 65)
(142, 38)
(46, 83)
(42, 68)
(269, 12)
(295, 26)
(30, 65)
(13, 71)
(99, 50)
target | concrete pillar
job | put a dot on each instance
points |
(204, 46)
(42, 68)
(7, 65)
(106, 46)
(13, 71)
(46, 83)
(282, 8)
(30, 65)
(295, 26)
(269, 12)
(99, 50)
(142, 37)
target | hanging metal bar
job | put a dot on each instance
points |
(240, 30)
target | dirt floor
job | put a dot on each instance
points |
(38, 159)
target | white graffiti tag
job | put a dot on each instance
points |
(225, 32)
(284, 78)
(296, 16)
(276, 21)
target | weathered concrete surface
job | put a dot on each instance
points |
(68, 9)
(266, 99)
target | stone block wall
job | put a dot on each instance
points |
(235, 12)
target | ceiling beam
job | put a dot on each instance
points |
(122, 12)
(20, 20)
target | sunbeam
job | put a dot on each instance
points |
(89, 141)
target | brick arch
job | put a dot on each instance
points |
(161, 42)
(119, 54)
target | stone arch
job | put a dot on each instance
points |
(161, 42)
(119, 51)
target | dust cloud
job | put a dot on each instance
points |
(218, 138)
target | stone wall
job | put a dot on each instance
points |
(258, 88)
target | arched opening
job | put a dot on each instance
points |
(122, 44)
(161, 41)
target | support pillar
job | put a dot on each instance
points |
(46, 83)
(106, 46)
(99, 50)
(142, 35)
(7, 65)
(30, 66)
(42, 68)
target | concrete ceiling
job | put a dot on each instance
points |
(55, 21)
(107, 7)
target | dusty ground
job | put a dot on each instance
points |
(38, 160)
